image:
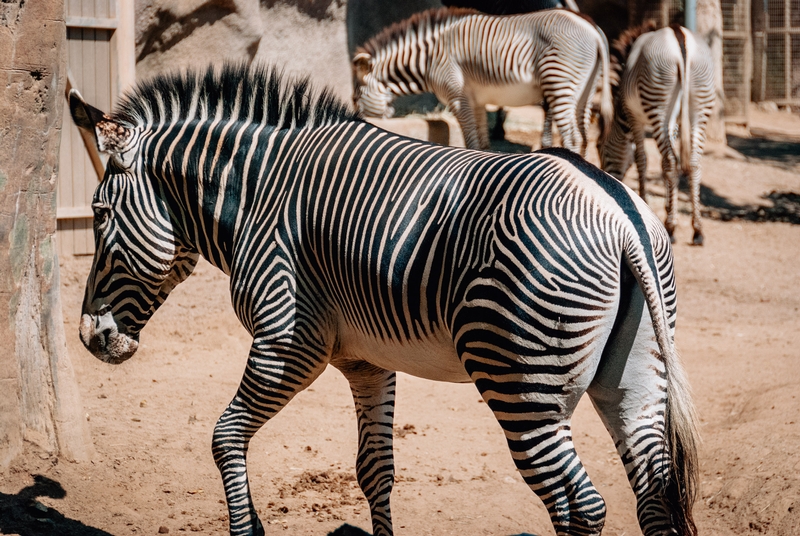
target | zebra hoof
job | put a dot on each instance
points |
(697, 240)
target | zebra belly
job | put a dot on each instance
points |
(518, 94)
(432, 358)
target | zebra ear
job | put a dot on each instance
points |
(110, 136)
(362, 65)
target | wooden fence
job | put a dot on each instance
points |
(101, 62)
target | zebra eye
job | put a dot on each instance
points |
(101, 213)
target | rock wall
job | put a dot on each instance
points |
(306, 37)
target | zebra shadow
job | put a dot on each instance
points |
(768, 148)
(785, 207)
(350, 530)
(22, 514)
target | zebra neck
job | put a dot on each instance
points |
(212, 174)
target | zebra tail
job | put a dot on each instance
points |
(686, 127)
(606, 101)
(680, 433)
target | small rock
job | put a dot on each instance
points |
(768, 106)
(163, 530)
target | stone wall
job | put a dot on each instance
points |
(306, 37)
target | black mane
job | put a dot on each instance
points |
(263, 93)
(431, 17)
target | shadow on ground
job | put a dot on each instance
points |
(784, 152)
(785, 207)
(350, 530)
(22, 514)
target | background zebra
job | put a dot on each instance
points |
(468, 60)
(536, 277)
(662, 75)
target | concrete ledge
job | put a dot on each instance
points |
(442, 128)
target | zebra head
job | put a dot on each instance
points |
(138, 258)
(372, 97)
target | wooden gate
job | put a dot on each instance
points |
(100, 61)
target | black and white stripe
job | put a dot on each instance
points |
(666, 85)
(536, 277)
(469, 59)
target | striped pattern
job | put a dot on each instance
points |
(666, 85)
(351, 246)
(468, 60)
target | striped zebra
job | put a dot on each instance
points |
(666, 85)
(537, 277)
(469, 59)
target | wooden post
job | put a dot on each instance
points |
(39, 399)
(126, 45)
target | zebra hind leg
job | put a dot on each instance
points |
(373, 393)
(694, 185)
(640, 155)
(540, 440)
(629, 392)
(534, 414)
(274, 374)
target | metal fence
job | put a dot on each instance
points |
(737, 59)
(782, 55)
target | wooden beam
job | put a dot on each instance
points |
(97, 23)
(74, 213)
(88, 139)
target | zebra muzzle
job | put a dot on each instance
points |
(101, 336)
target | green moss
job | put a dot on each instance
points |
(20, 243)
(47, 254)
(3, 180)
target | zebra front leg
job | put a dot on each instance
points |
(465, 111)
(373, 393)
(547, 126)
(629, 392)
(565, 117)
(274, 374)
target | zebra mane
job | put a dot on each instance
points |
(621, 48)
(429, 18)
(260, 94)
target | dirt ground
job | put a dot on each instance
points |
(152, 417)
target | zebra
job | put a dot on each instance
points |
(536, 277)
(504, 7)
(666, 84)
(468, 59)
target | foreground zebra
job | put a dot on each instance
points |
(664, 75)
(536, 277)
(469, 59)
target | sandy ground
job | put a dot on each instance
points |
(152, 417)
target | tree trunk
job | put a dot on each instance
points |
(39, 400)
(709, 27)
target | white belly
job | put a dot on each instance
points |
(433, 358)
(519, 94)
